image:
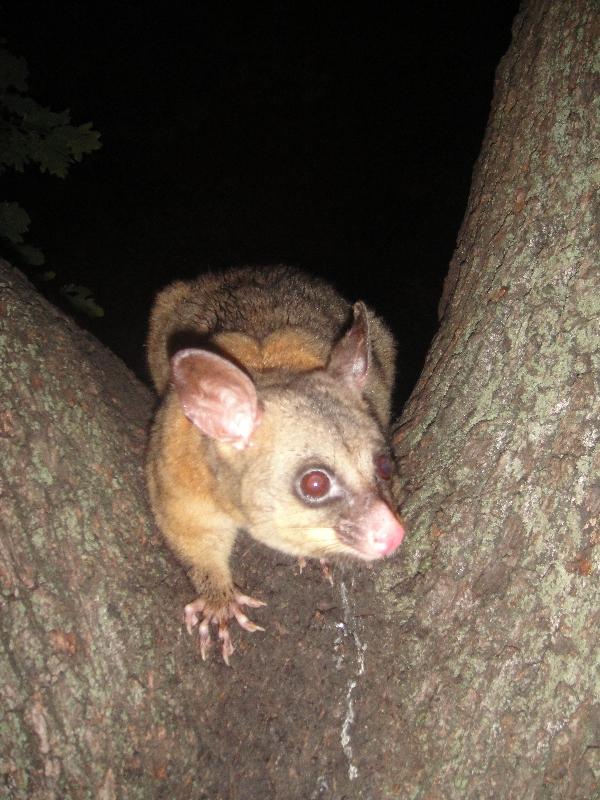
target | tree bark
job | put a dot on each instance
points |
(465, 668)
(499, 600)
(102, 692)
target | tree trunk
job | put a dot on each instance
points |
(499, 597)
(464, 668)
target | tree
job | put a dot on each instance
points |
(465, 668)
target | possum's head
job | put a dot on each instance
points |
(313, 468)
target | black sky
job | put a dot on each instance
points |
(339, 140)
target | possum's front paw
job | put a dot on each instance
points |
(200, 612)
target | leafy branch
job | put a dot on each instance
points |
(33, 134)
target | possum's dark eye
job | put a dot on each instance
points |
(314, 485)
(383, 466)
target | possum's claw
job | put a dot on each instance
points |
(326, 570)
(200, 613)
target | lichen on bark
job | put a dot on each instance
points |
(502, 434)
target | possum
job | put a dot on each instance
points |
(275, 398)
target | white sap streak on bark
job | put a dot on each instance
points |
(350, 629)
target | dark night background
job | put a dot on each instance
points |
(340, 140)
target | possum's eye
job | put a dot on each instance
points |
(314, 485)
(383, 466)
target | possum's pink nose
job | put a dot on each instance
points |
(384, 530)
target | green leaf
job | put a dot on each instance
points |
(84, 139)
(31, 255)
(14, 222)
(32, 115)
(82, 299)
(47, 275)
(13, 71)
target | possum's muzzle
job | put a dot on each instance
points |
(375, 533)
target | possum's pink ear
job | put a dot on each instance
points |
(350, 357)
(216, 396)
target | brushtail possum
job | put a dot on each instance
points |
(275, 402)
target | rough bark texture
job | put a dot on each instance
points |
(467, 667)
(500, 601)
(102, 693)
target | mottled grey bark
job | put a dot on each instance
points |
(102, 693)
(498, 598)
(466, 667)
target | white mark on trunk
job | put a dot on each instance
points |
(322, 788)
(40, 726)
(108, 790)
(350, 628)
